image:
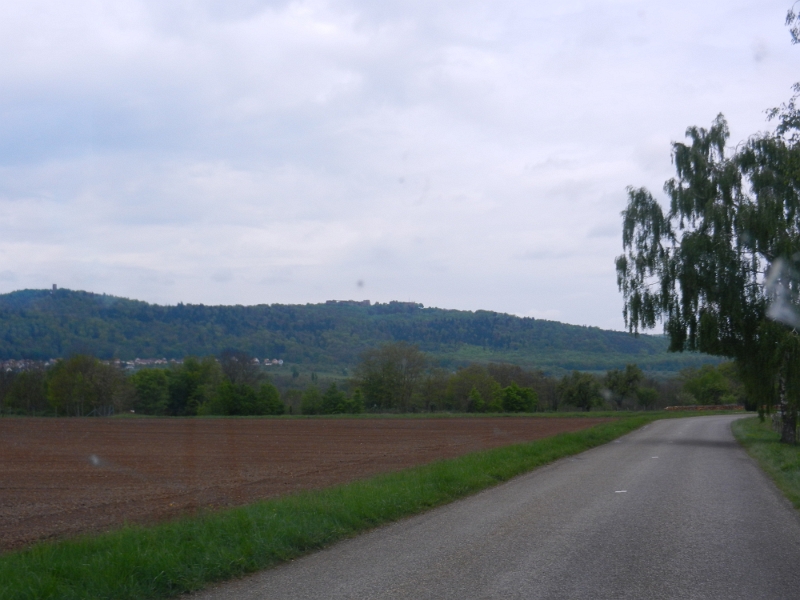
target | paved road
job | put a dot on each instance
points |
(675, 510)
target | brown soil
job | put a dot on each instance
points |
(60, 477)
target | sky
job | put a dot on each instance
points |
(467, 155)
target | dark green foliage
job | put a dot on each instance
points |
(476, 401)
(517, 399)
(713, 385)
(389, 375)
(470, 389)
(239, 399)
(580, 390)
(708, 386)
(333, 401)
(152, 391)
(6, 381)
(27, 393)
(234, 399)
(232, 386)
(193, 384)
(545, 387)
(269, 400)
(433, 395)
(292, 399)
(336, 402)
(82, 385)
(623, 384)
(689, 265)
(474, 377)
(311, 403)
(646, 397)
(356, 404)
(202, 387)
(44, 324)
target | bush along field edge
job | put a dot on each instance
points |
(188, 554)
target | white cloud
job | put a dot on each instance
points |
(460, 154)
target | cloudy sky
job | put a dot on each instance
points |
(468, 154)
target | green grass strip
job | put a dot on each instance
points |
(780, 461)
(168, 559)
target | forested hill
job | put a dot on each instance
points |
(43, 324)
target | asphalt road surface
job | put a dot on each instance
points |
(674, 510)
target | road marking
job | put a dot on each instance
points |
(621, 492)
(653, 457)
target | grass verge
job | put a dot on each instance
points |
(780, 461)
(165, 560)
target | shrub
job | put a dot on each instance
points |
(517, 399)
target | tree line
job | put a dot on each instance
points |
(394, 378)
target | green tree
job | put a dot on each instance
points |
(545, 387)
(311, 403)
(269, 400)
(519, 399)
(623, 384)
(6, 381)
(334, 401)
(192, 384)
(27, 392)
(476, 401)
(495, 402)
(719, 268)
(707, 384)
(355, 404)
(433, 390)
(580, 390)
(82, 385)
(292, 399)
(229, 399)
(240, 399)
(391, 375)
(463, 381)
(152, 391)
(646, 396)
(712, 384)
(736, 393)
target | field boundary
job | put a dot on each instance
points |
(188, 554)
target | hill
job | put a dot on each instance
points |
(42, 324)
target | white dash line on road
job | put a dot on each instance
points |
(621, 492)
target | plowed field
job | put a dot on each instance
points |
(60, 477)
